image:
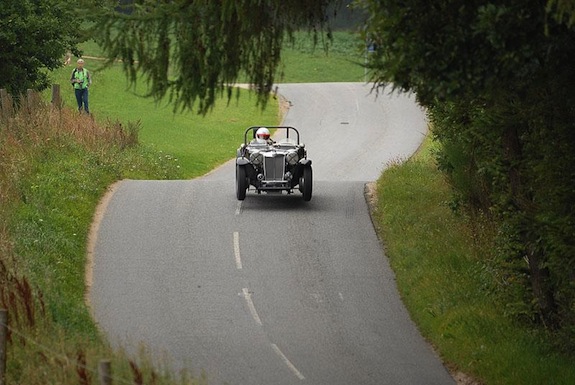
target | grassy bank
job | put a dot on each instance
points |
(444, 272)
(55, 165)
(198, 143)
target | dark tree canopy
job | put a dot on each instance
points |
(499, 82)
(446, 48)
(192, 49)
(34, 37)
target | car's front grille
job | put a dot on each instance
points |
(274, 167)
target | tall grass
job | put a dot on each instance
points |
(54, 167)
(443, 267)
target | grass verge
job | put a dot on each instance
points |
(54, 167)
(444, 272)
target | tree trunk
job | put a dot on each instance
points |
(541, 286)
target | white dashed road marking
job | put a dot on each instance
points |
(237, 250)
(288, 362)
(248, 297)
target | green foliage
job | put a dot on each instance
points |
(463, 153)
(498, 81)
(34, 36)
(447, 48)
(192, 50)
(512, 161)
(562, 10)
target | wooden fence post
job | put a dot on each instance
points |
(105, 372)
(3, 337)
(6, 107)
(56, 97)
(31, 101)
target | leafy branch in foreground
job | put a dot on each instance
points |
(192, 50)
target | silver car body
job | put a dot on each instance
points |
(273, 166)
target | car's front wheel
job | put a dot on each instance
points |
(241, 182)
(306, 183)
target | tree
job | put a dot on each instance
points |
(34, 37)
(191, 50)
(498, 80)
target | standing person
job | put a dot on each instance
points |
(81, 80)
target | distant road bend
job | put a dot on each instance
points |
(271, 290)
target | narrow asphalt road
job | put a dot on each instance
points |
(271, 290)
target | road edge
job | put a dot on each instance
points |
(93, 238)
(370, 195)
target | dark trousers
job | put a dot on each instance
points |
(82, 99)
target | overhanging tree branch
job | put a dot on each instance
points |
(192, 50)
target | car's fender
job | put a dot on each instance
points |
(305, 162)
(242, 161)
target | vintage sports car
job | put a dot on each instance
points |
(273, 166)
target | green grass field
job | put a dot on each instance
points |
(197, 142)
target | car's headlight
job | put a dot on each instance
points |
(256, 158)
(292, 158)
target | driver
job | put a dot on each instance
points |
(263, 136)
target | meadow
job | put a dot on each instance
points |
(199, 142)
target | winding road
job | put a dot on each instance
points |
(270, 290)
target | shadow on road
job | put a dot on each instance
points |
(278, 202)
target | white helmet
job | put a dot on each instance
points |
(262, 135)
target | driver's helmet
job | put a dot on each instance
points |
(262, 135)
